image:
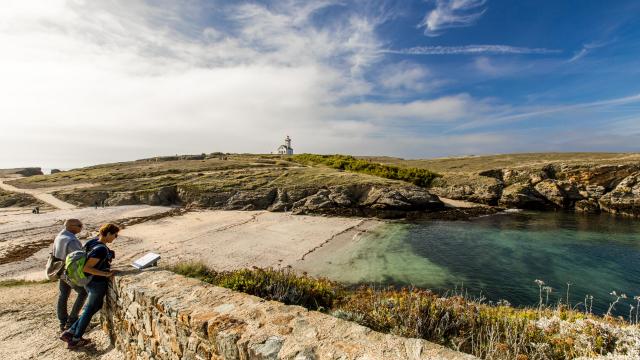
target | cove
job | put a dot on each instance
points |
(499, 257)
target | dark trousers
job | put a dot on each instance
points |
(63, 299)
(97, 290)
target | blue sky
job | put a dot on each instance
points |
(121, 80)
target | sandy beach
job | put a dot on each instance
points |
(224, 240)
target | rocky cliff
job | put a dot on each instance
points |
(555, 186)
(346, 200)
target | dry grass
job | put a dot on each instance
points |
(482, 163)
(497, 332)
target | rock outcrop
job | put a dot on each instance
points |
(352, 200)
(161, 315)
(554, 186)
(31, 171)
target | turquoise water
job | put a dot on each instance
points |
(500, 256)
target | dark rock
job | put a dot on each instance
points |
(29, 171)
(55, 171)
(524, 196)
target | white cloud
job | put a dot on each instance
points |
(471, 50)
(452, 14)
(406, 76)
(444, 109)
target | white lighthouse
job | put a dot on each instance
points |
(286, 148)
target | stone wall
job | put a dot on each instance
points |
(157, 314)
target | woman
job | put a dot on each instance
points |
(98, 265)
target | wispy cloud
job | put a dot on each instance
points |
(586, 49)
(471, 50)
(513, 115)
(451, 14)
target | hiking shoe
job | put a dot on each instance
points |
(74, 344)
(66, 336)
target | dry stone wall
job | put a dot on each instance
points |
(157, 314)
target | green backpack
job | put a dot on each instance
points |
(74, 266)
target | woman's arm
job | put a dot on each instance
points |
(89, 268)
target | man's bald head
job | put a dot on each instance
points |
(73, 225)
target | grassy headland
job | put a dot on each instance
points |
(248, 182)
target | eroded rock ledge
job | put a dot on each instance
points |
(583, 188)
(160, 315)
(342, 200)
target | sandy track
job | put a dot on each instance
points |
(29, 328)
(44, 194)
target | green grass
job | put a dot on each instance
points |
(486, 331)
(417, 176)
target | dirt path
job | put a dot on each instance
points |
(29, 328)
(44, 194)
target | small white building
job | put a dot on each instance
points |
(285, 149)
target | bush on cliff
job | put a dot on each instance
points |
(279, 285)
(486, 331)
(416, 176)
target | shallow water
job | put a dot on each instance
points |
(500, 256)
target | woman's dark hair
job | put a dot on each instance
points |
(109, 229)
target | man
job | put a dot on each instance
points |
(65, 243)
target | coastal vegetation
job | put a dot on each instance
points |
(489, 331)
(417, 176)
(12, 199)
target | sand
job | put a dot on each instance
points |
(26, 238)
(223, 240)
(226, 240)
(29, 327)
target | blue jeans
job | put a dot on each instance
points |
(63, 299)
(97, 291)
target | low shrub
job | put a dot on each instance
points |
(416, 176)
(280, 285)
(486, 331)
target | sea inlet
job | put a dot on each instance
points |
(499, 257)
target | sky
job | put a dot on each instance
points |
(89, 82)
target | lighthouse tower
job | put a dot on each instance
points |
(287, 143)
(285, 149)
